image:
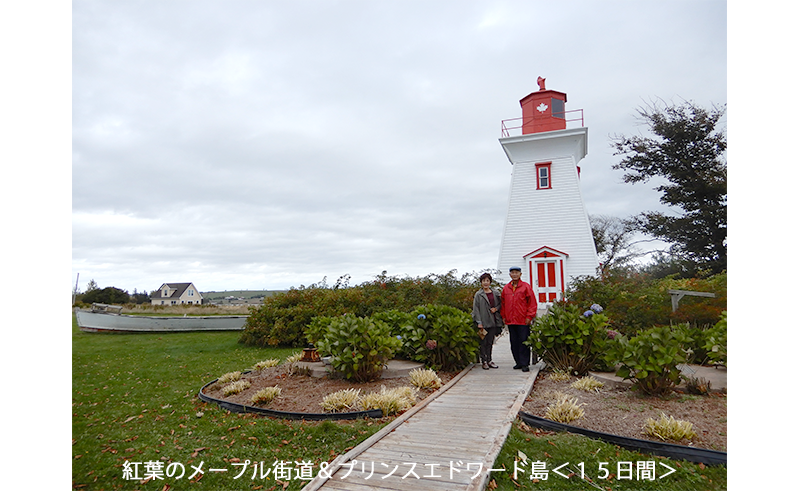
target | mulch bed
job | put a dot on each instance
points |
(623, 412)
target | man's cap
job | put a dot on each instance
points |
(512, 268)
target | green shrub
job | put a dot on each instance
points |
(695, 349)
(283, 318)
(716, 341)
(651, 359)
(638, 301)
(570, 339)
(317, 327)
(441, 337)
(396, 319)
(359, 347)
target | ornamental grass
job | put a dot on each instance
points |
(588, 383)
(272, 362)
(340, 401)
(265, 396)
(229, 377)
(665, 428)
(564, 410)
(391, 401)
(425, 379)
(235, 387)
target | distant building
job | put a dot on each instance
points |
(176, 294)
(547, 231)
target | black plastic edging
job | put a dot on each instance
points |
(692, 454)
(243, 408)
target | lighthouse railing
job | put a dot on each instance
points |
(513, 127)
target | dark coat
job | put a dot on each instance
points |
(480, 309)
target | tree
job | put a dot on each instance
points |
(688, 151)
(612, 239)
(108, 295)
(139, 297)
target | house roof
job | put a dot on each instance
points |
(178, 288)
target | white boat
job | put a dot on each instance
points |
(107, 318)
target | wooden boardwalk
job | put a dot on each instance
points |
(449, 441)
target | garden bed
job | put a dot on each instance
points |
(623, 412)
(303, 394)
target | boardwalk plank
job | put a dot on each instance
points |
(467, 421)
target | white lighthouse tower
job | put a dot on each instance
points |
(547, 231)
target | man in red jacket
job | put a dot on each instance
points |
(518, 308)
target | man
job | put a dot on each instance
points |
(518, 308)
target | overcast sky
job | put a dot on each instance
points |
(265, 144)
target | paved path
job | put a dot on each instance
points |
(466, 424)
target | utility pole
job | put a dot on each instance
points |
(75, 290)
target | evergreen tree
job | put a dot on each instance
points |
(687, 149)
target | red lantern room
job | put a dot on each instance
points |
(543, 110)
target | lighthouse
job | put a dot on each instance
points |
(547, 231)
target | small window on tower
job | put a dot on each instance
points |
(543, 180)
(557, 110)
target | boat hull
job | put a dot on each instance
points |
(106, 322)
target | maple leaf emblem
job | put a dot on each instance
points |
(541, 107)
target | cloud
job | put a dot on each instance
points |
(269, 144)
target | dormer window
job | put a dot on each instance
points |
(543, 179)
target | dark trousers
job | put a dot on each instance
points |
(486, 344)
(521, 352)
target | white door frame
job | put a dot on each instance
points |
(547, 262)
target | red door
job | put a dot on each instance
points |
(546, 273)
(546, 281)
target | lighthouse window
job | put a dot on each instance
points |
(543, 176)
(557, 106)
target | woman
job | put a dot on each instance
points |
(486, 313)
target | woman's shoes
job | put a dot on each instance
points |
(492, 365)
(485, 365)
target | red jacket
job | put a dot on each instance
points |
(519, 304)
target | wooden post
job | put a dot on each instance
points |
(677, 295)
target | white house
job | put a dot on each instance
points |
(176, 294)
(547, 231)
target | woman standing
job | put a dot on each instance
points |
(486, 313)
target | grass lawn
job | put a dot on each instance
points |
(134, 399)
(598, 460)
